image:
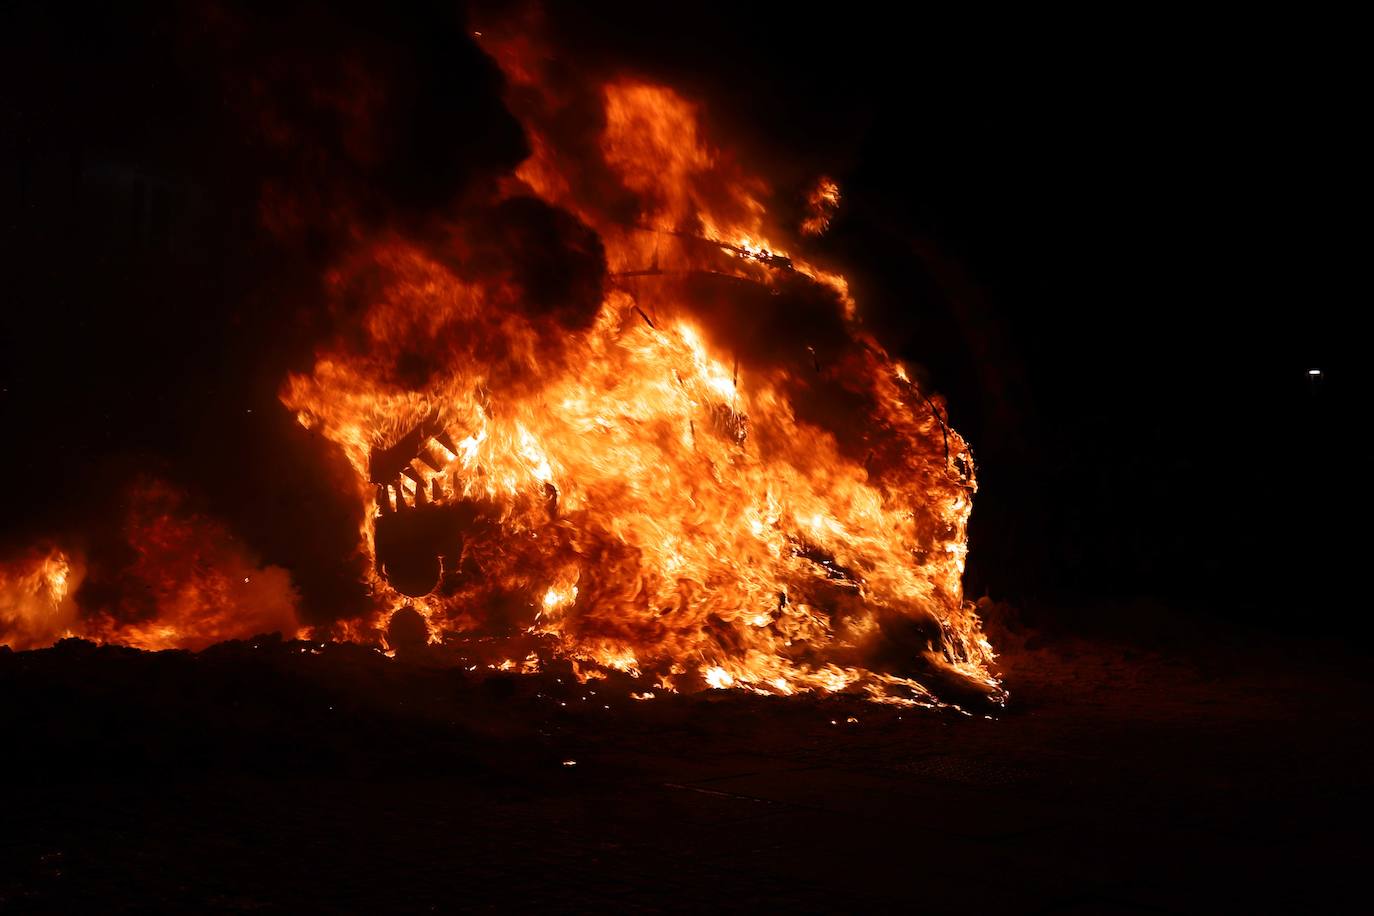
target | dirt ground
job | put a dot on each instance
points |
(285, 777)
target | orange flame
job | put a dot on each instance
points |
(821, 204)
(36, 605)
(662, 485)
(187, 585)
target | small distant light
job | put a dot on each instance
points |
(569, 763)
(1314, 372)
(245, 578)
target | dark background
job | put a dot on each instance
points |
(1117, 247)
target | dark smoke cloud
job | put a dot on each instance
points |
(550, 262)
(360, 114)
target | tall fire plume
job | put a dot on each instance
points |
(607, 413)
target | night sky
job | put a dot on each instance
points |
(1117, 247)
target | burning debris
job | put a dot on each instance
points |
(703, 472)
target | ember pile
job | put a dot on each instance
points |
(606, 413)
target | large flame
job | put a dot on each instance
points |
(602, 415)
(695, 467)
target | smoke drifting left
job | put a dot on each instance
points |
(184, 176)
